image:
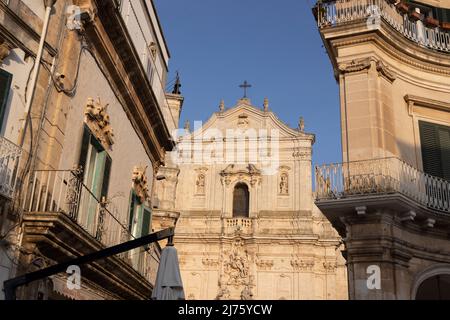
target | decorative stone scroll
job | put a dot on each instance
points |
(355, 65)
(302, 153)
(97, 119)
(385, 72)
(140, 182)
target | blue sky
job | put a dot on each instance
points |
(275, 45)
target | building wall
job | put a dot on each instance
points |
(380, 120)
(127, 151)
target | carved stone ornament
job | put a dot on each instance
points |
(140, 183)
(302, 265)
(385, 72)
(264, 264)
(98, 121)
(355, 65)
(236, 266)
(243, 120)
(330, 266)
(302, 153)
(5, 50)
(235, 172)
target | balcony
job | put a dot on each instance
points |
(341, 12)
(9, 160)
(65, 219)
(239, 225)
(378, 178)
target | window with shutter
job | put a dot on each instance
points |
(5, 86)
(241, 200)
(435, 142)
(96, 164)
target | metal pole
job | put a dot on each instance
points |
(11, 284)
(37, 63)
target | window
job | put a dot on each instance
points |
(139, 226)
(139, 217)
(241, 200)
(435, 141)
(5, 86)
(96, 165)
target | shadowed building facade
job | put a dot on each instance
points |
(99, 125)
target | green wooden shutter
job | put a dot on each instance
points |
(435, 142)
(85, 141)
(5, 86)
(146, 222)
(106, 176)
(131, 214)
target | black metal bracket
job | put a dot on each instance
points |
(11, 285)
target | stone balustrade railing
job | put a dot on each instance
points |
(338, 12)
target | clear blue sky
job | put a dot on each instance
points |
(275, 45)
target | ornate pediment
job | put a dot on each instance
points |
(98, 121)
(235, 172)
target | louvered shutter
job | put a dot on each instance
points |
(5, 85)
(435, 142)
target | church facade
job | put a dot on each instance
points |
(239, 189)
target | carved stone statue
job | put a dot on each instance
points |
(301, 125)
(222, 106)
(200, 183)
(284, 184)
(266, 104)
(247, 293)
(187, 126)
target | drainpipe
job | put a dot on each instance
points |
(37, 63)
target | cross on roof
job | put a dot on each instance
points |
(245, 86)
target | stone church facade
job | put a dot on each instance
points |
(239, 189)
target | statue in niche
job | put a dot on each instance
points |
(247, 293)
(200, 184)
(284, 184)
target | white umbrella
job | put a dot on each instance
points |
(168, 284)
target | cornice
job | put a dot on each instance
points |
(392, 44)
(426, 102)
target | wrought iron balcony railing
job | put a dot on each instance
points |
(9, 160)
(62, 191)
(381, 176)
(338, 12)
